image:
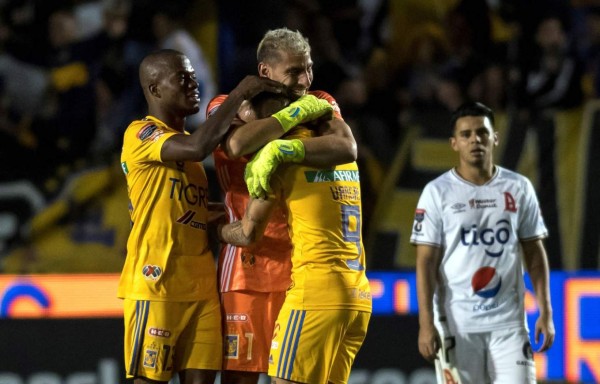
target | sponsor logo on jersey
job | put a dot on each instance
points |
(237, 317)
(232, 346)
(482, 203)
(150, 357)
(492, 238)
(152, 272)
(486, 283)
(124, 168)
(419, 217)
(509, 202)
(458, 207)
(325, 176)
(190, 193)
(345, 192)
(360, 294)
(149, 132)
(186, 219)
(159, 332)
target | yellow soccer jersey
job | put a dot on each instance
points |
(168, 255)
(324, 221)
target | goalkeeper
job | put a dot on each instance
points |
(253, 280)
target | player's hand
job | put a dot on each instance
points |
(252, 85)
(259, 170)
(306, 108)
(429, 342)
(544, 325)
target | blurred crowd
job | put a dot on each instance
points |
(69, 85)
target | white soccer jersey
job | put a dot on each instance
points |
(479, 228)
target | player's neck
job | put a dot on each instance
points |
(171, 120)
(477, 175)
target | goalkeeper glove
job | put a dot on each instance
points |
(259, 170)
(306, 108)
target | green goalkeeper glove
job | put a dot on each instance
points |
(306, 108)
(259, 170)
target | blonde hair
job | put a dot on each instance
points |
(278, 40)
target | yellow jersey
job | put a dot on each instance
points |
(168, 255)
(324, 221)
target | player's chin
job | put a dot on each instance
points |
(193, 109)
(297, 93)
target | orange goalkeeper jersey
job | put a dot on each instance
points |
(266, 266)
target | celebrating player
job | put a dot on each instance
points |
(253, 280)
(171, 306)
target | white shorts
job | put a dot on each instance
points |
(499, 357)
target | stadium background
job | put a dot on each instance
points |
(68, 88)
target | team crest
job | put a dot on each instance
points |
(248, 259)
(150, 357)
(509, 202)
(232, 344)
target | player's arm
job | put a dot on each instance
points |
(251, 228)
(198, 145)
(335, 145)
(249, 137)
(536, 263)
(428, 261)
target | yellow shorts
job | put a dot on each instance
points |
(163, 338)
(316, 346)
(249, 318)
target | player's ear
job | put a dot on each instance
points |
(453, 145)
(263, 70)
(153, 89)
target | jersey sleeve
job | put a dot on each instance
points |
(326, 96)
(531, 224)
(214, 104)
(428, 225)
(146, 141)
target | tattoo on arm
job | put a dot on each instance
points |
(234, 234)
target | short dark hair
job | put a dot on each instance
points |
(471, 108)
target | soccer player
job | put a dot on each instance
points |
(253, 280)
(324, 318)
(473, 227)
(168, 282)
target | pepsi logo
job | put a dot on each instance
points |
(486, 282)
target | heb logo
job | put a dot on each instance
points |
(237, 317)
(159, 332)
